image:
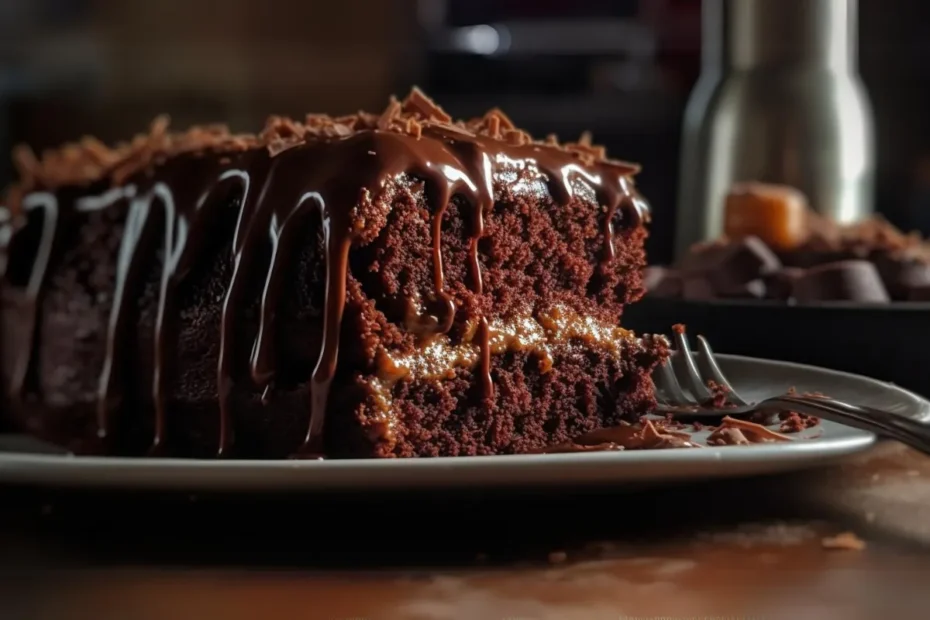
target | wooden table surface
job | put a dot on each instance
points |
(743, 548)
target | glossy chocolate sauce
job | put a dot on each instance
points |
(173, 206)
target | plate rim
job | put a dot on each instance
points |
(713, 461)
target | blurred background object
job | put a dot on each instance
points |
(620, 68)
(779, 100)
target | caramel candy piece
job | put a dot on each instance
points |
(777, 214)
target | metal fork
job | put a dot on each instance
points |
(685, 392)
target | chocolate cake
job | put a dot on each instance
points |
(374, 285)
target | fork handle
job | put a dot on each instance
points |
(906, 430)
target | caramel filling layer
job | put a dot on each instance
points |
(555, 328)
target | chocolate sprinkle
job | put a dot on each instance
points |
(89, 160)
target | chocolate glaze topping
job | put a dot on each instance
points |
(174, 185)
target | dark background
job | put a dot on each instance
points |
(620, 68)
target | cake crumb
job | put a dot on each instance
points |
(719, 396)
(557, 557)
(794, 422)
(845, 541)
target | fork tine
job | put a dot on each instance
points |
(665, 380)
(694, 381)
(710, 363)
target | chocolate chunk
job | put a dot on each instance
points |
(702, 257)
(754, 289)
(744, 260)
(670, 287)
(919, 293)
(848, 280)
(779, 284)
(662, 282)
(697, 288)
(901, 273)
(806, 258)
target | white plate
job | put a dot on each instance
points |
(753, 378)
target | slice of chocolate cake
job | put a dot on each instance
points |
(364, 286)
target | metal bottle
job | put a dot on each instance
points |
(779, 100)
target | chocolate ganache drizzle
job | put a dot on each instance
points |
(173, 188)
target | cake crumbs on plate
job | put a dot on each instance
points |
(794, 422)
(719, 396)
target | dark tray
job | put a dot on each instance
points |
(887, 342)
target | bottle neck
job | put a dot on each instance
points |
(751, 34)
